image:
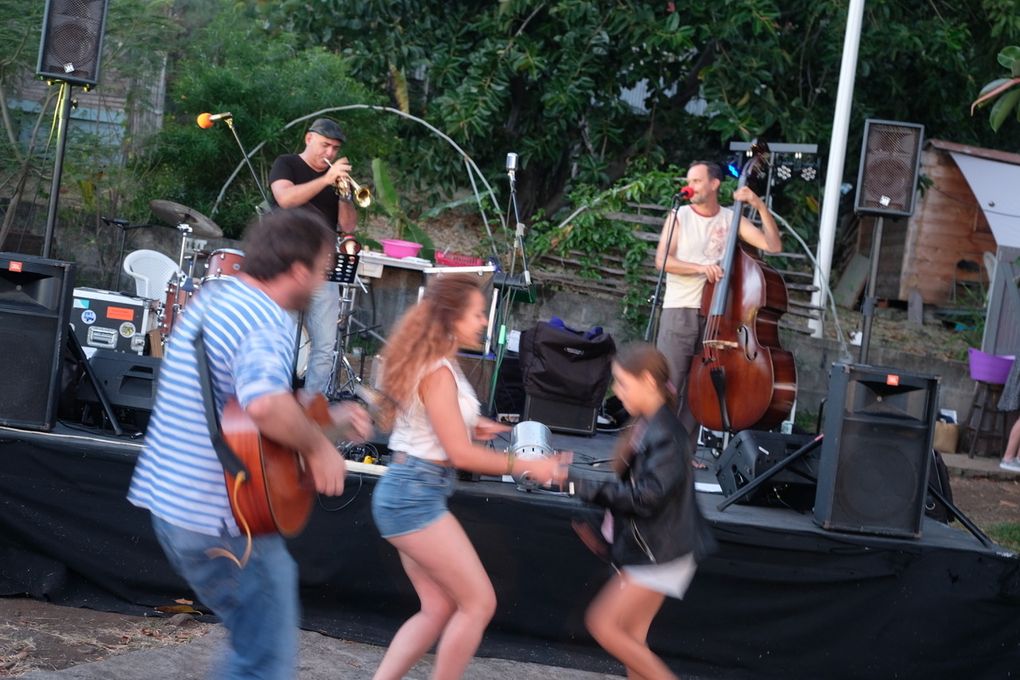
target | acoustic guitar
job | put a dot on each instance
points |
(277, 497)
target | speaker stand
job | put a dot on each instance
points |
(958, 514)
(104, 400)
(868, 309)
(760, 480)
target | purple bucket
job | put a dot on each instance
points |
(989, 368)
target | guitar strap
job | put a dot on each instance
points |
(228, 459)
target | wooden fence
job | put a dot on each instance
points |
(566, 269)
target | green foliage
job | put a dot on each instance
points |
(1006, 534)
(389, 200)
(266, 80)
(1005, 92)
(594, 235)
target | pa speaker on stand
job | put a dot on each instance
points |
(72, 41)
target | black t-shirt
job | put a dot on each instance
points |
(292, 167)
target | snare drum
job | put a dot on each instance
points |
(223, 262)
(176, 299)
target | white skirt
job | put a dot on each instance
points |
(671, 579)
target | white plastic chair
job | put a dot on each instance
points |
(152, 271)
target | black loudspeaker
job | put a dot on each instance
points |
(35, 304)
(72, 40)
(129, 381)
(890, 162)
(873, 474)
(750, 454)
(560, 416)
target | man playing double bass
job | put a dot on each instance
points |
(691, 258)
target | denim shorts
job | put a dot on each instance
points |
(411, 495)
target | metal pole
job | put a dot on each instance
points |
(63, 119)
(869, 296)
(837, 157)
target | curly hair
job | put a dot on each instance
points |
(423, 335)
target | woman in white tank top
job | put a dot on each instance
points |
(434, 421)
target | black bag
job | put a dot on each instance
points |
(566, 366)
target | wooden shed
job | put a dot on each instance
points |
(940, 250)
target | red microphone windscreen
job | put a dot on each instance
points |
(687, 192)
(205, 120)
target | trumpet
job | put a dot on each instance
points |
(349, 188)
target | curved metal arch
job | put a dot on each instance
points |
(472, 168)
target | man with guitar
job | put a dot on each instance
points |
(313, 178)
(691, 259)
(248, 341)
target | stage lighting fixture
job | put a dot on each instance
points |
(808, 173)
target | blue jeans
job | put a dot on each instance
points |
(321, 321)
(258, 604)
(411, 495)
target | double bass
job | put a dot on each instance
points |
(743, 379)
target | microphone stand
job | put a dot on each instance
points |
(124, 227)
(244, 155)
(503, 315)
(656, 301)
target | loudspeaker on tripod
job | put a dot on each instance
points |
(35, 304)
(72, 40)
(873, 473)
(890, 164)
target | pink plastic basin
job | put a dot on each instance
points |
(394, 247)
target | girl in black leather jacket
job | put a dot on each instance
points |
(657, 533)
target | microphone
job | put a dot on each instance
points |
(511, 164)
(206, 120)
(685, 193)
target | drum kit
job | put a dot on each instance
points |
(202, 266)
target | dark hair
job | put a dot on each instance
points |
(714, 169)
(276, 241)
(635, 359)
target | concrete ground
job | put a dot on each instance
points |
(321, 658)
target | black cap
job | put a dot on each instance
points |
(327, 128)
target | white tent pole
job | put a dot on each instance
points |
(837, 156)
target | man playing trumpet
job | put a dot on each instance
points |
(311, 178)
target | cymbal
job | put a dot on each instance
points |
(175, 214)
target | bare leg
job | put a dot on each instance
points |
(448, 561)
(421, 631)
(619, 618)
(1013, 444)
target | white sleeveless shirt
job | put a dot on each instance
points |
(701, 240)
(412, 431)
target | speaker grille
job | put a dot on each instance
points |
(890, 159)
(72, 41)
(26, 362)
(877, 477)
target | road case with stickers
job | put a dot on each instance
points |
(103, 319)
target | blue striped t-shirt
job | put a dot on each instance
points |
(249, 342)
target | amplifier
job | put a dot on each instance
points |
(103, 319)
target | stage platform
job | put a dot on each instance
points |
(782, 598)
